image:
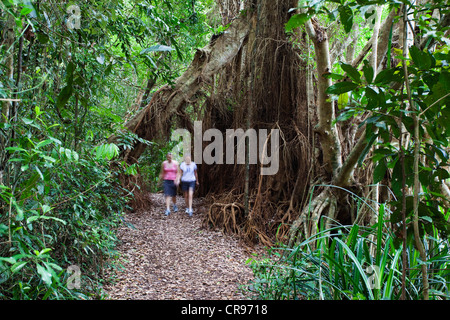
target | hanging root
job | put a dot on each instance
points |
(228, 214)
(225, 214)
(274, 201)
(252, 76)
(308, 221)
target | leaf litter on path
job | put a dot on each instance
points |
(174, 257)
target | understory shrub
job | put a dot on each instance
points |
(59, 210)
(350, 263)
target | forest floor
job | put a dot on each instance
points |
(174, 257)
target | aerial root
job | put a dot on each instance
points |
(308, 221)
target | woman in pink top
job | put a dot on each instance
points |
(169, 171)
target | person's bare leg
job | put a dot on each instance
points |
(167, 202)
(174, 202)
(186, 199)
(191, 196)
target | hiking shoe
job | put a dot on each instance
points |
(187, 210)
(190, 212)
(175, 208)
(167, 212)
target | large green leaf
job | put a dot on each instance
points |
(351, 72)
(373, 98)
(346, 15)
(42, 37)
(296, 21)
(341, 87)
(19, 210)
(44, 143)
(387, 76)
(420, 58)
(10, 260)
(368, 72)
(69, 72)
(379, 172)
(343, 100)
(106, 151)
(45, 275)
(17, 266)
(64, 96)
(389, 287)
(371, 139)
(444, 78)
(66, 92)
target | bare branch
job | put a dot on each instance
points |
(383, 35)
(346, 171)
(327, 130)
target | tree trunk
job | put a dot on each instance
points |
(249, 76)
(253, 76)
(326, 129)
(330, 201)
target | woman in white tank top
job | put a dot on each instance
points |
(189, 180)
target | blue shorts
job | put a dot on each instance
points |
(170, 189)
(186, 185)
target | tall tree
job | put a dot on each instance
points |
(254, 75)
(247, 76)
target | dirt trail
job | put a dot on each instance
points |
(169, 258)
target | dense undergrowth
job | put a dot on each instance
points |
(65, 90)
(69, 74)
(58, 218)
(352, 263)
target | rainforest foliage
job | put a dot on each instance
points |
(90, 92)
(64, 89)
